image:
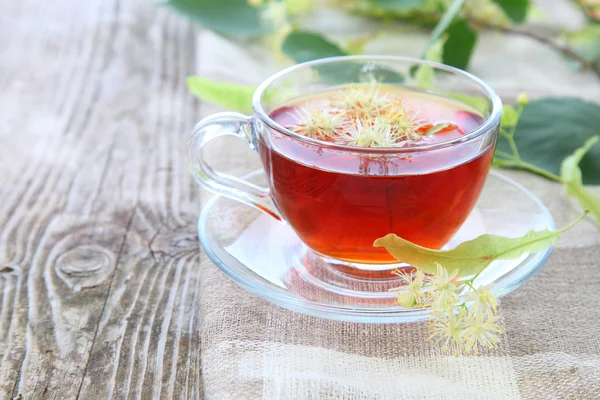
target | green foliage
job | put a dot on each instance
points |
(586, 42)
(436, 128)
(227, 95)
(459, 40)
(550, 130)
(443, 24)
(235, 17)
(299, 7)
(479, 103)
(397, 5)
(516, 10)
(571, 175)
(424, 74)
(470, 257)
(303, 46)
(460, 44)
(542, 126)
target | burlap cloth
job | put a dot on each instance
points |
(551, 350)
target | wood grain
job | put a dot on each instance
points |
(99, 274)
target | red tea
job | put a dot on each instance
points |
(339, 201)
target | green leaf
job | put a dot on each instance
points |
(227, 95)
(306, 46)
(231, 16)
(571, 175)
(436, 52)
(443, 24)
(460, 44)
(299, 7)
(479, 103)
(551, 129)
(425, 75)
(436, 128)
(516, 10)
(473, 256)
(303, 46)
(356, 73)
(397, 5)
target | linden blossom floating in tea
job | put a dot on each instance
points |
(374, 115)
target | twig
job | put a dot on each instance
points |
(562, 49)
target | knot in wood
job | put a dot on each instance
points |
(10, 270)
(84, 266)
(173, 244)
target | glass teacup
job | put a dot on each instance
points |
(339, 198)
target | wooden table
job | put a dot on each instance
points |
(99, 258)
(98, 248)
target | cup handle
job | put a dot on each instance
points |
(212, 127)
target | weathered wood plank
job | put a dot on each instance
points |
(98, 252)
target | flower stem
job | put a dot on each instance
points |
(537, 170)
(509, 157)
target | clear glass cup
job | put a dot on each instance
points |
(340, 198)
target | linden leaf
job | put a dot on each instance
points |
(299, 7)
(516, 10)
(437, 128)
(444, 23)
(473, 256)
(551, 129)
(233, 16)
(397, 5)
(425, 75)
(479, 103)
(459, 40)
(303, 46)
(225, 94)
(460, 44)
(571, 175)
(434, 51)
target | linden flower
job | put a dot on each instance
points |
(318, 124)
(446, 291)
(413, 293)
(455, 326)
(484, 301)
(480, 331)
(331, 123)
(407, 124)
(309, 126)
(447, 330)
(370, 134)
(362, 116)
(363, 102)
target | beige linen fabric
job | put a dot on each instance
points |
(551, 350)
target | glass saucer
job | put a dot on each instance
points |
(265, 257)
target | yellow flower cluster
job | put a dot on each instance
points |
(460, 327)
(360, 115)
